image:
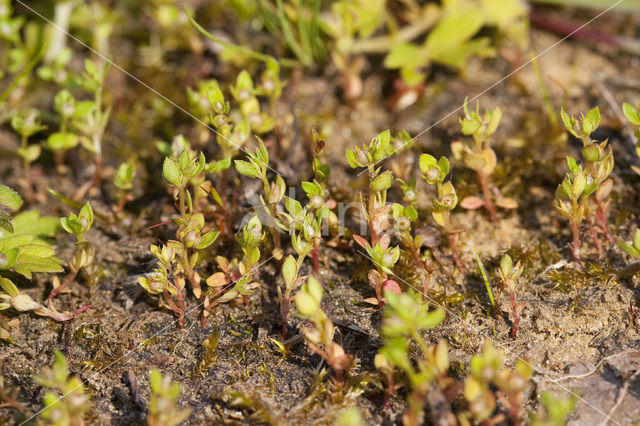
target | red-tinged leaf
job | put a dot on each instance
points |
(361, 241)
(371, 301)
(391, 286)
(471, 203)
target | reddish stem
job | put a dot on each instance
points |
(314, 256)
(593, 233)
(284, 313)
(575, 245)
(601, 218)
(70, 277)
(486, 195)
(453, 240)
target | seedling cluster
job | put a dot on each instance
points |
(246, 223)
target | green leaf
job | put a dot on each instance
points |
(172, 172)
(427, 162)
(293, 206)
(628, 248)
(405, 55)
(5, 222)
(591, 120)
(382, 182)
(447, 42)
(62, 141)
(207, 239)
(443, 164)
(218, 166)
(289, 270)
(86, 212)
(351, 159)
(9, 198)
(631, 113)
(311, 188)
(30, 153)
(574, 167)
(569, 122)
(247, 169)
(9, 287)
(411, 213)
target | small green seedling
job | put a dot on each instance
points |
(509, 274)
(12, 298)
(317, 192)
(556, 410)
(163, 410)
(488, 373)
(480, 157)
(598, 164)
(377, 213)
(435, 172)
(25, 253)
(65, 403)
(63, 140)
(632, 248)
(273, 192)
(123, 181)
(572, 201)
(632, 114)
(178, 259)
(405, 317)
(26, 123)
(320, 335)
(84, 256)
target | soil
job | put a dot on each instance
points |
(572, 319)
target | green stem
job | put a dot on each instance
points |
(34, 61)
(183, 210)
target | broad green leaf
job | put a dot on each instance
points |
(9, 198)
(62, 141)
(246, 168)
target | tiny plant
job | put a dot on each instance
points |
(320, 335)
(480, 157)
(405, 317)
(377, 213)
(84, 256)
(273, 192)
(435, 172)
(123, 181)
(487, 373)
(509, 274)
(318, 194)
(163, 410)
(598, 164)
(632, 114)
(556, 410)
(26, 123)
(66, 403)
(178, 259)
(572, 201)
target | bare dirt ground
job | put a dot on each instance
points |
(571, 321)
